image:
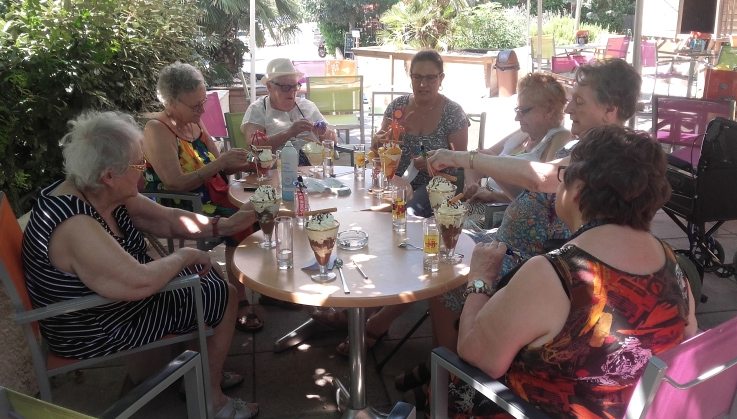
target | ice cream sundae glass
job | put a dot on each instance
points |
(450, 217)
(315, 153)
(264, 161)
(390, 156)
(322, 230)
(439, 190)
(266, 202)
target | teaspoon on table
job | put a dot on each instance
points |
(406, 245)
(339, 265)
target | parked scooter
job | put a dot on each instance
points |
(321, 50)
(319, 40)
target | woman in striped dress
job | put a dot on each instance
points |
(85, 236)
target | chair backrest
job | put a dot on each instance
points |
(233, 123)
(340, 68)
(213, 116)
(336, 93)
(649, 57)
(727, 56)
(562, 64)
(716, 173)
(702, 365)
(548, 47)
(310, 68)
(11, 266)
(479, 118)
(683, 121)
(617, 46)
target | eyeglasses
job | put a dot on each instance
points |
(429, 79)
(200, 107)
(522, 112)
(288, 87)
(140, 167)
(560, 169)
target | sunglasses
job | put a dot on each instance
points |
(522, 112)
(288, 87)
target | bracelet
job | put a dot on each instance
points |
(199, 176)
(471, 156)
(215, 221)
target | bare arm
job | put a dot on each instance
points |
(101, 264)
(535, 176)
(168, 222)
(162, 151)
(531, 309)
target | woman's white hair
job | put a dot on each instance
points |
(177, 79)
(99, 142)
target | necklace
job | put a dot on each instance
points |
(588, 226)
(417, 105)
(189, 137)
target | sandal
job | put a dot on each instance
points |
(246, 323)
(412, 378)
(417, 397)
(372, 340)
(337, 318)
(237, 409)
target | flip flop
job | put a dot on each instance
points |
(337, 318)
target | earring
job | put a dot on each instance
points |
(410, 86)
(440, 88)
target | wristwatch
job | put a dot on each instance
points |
(477, 286)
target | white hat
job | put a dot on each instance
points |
(280, 67)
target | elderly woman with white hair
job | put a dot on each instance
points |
(282, 115)
(85, 235)
(182, 156)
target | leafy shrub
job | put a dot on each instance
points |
(417, 24)
(561, 27)
(334, 34)
(489, 26)
(57, 61)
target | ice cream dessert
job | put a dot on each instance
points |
(265, 161)
(266, 202)
(390, 155)
(322, 229)
(450, 218)
(440, 189)
(315, 153)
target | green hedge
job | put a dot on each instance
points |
(57, 61)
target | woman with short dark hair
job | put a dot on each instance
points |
(582, 321)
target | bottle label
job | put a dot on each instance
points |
(361, 160)
(302, 204)
(401, 208)
(431, 242)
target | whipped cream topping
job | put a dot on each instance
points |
(440, 183)
(322, 221)
(265, 193)
(313, 147)
(265, 155)
(446, 208)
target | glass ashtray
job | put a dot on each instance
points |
(352, 239)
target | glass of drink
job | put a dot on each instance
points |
(450, 218)
(377, 178)
(315, 153)
(360, 160)
(328, 162)
(399, 210)
(322, 230)
(284, 242)
(439, 190)
(431, 245)
(266, 202)
(390, 158)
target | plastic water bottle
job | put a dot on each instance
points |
(289, 163)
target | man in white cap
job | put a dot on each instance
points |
(282, 115)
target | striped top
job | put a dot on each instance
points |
(116, 326)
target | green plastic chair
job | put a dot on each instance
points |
(339, 98)
(548, 49)
(235, 135)
(728, 56)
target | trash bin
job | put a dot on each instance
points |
(507, 69)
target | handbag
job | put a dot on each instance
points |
(217, 188)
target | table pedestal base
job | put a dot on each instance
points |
(342, 396)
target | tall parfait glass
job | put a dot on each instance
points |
(322, 230)
(266, 201)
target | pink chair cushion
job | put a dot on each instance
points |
(691, 359)
(213, 118)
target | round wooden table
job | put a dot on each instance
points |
(395, 276)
